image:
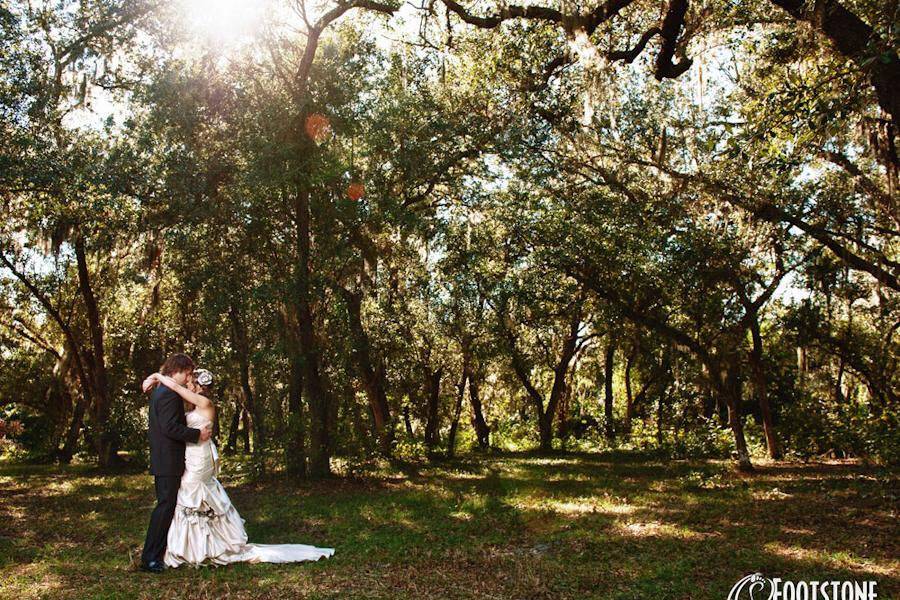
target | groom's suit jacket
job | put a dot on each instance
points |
(168, 432)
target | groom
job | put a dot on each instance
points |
(168, 434)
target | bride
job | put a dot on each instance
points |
(206, 528)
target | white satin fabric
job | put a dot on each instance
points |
(206, 528)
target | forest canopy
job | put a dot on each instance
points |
(436, 227)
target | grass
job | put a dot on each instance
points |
(577, 526)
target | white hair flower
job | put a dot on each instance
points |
(204, 377)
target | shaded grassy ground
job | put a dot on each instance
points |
(601, 526)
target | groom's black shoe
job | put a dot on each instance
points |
(154, 566)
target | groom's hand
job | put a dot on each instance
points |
(205, 433)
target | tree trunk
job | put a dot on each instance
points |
(838, 383)
(241, 348)
(546, 415)
(245, 429)
(65, 454)
(371, 376)
(629, 399)
(295, 449)
(104, 438)
(562, 416)
(482, 431)
(665, 369)
(731, 390)
(660, 413)
(74, 408)
(709, 404)
(762, 396)
(363, 425)
(231, 444)
(560, 386)
(316, 388)
(407, 423)
(457, 408)
(609, 426)
(545, 431)
(737, 427)
(295, 446)
(433, 395)
(217, 428)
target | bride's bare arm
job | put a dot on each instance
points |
(198, 400)
(150, 383)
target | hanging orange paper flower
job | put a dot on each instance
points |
(355, 191)
(318, 127)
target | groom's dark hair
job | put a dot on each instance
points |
(177, 363)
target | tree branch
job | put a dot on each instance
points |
(869, 187)
(301, 78)
(586, 21)
(671, 29)
(855, 39)
(633, 53)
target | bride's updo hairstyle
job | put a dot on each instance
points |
(204, 379)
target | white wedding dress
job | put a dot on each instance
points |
(206, 528)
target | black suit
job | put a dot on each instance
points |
(168, 433)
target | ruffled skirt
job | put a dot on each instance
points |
(207, 529)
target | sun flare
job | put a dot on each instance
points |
(224, 21)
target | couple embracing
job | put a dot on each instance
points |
(194, 522)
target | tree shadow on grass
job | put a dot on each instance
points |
(507, 527)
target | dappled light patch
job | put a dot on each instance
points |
(582, 507)
(41, 579)
(837, 560)
(657, 529)
(797, 531)
(574, 507)
(462, 515)
(770, 494)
